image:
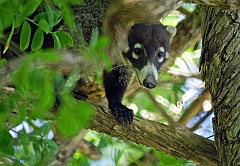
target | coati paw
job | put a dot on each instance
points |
(123, 114)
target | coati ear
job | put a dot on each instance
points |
(171, 31)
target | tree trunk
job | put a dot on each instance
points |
(220, 69)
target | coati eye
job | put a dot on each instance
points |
(138, 51)
(160, 56)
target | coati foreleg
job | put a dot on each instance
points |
(116, 82)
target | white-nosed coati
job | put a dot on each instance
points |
(148, 48)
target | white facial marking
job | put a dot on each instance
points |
(135, 56)
(161, 59)
(167, 55)
(137, 45)
(161, 49)
(148, 69)
(143, 73)
(155, 72)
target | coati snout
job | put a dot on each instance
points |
(148, 48)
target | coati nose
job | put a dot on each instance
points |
(149, 82)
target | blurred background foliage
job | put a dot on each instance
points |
(27, 139)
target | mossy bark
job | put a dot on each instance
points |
(221, 72)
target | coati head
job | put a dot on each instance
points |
(148, 50)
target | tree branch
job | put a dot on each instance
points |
(175, 141)
(223, 4)
(188, 34)
(195, 107)
(68, 62)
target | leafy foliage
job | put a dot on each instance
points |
(18, 14)
(36, 89)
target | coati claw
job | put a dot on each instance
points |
(123, 114)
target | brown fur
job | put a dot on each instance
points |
(123, 14)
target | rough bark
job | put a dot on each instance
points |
(172, 140)
(223, 4)
(220, 69)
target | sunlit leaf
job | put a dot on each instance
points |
(25, 35)
(9, 38)
(79, 159)
(169, 160)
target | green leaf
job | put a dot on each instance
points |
(38, 153)
(30, 7)
(50, 144)
(169, 160)
(94, 38)
(6, 14)
(33, 137)
(79, 159)
(21, 114)
(25, 35)
(68, 16)
(103, 42)
(3, 62)
(3, 1)
(37, 41)
(44, 25)
(45, 128)
(9, 38)
(74, 115)
(57, 42)
(6, 142)
(52, 17)
(25, 140)
(64, 37)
